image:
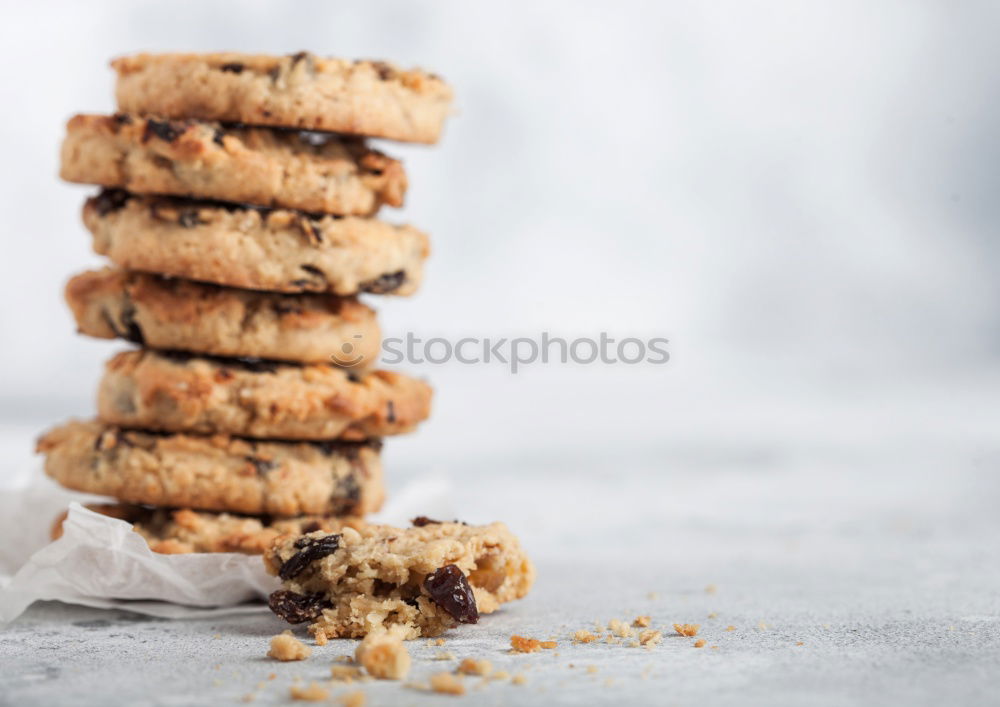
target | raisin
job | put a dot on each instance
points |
(390, 413)
(217, 137)
(261, 466)
(123, 118)
(188, 218)
(311, 229)
(297, 57)
(383, 70)
(312, 527)
(421, 521)
(109, 200)
(286, 307)
(345, 496)
(130, 329)
(450, 590)
(254, 365)
(163, 129)
(309, 550)
(233, 67)
(297, 608)
(384, 284)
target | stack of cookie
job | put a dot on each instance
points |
(238, 209)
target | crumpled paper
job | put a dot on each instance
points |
(100, 562)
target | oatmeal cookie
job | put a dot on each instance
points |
(256, 248)
(167, 313)
(216, 473)
(181, 531)
(298, 91)
(176, 392)
(316, 172)
(419, 581)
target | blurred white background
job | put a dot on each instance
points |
(800, 196)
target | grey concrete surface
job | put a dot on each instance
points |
(882, 564)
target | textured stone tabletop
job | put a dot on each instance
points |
(862, 578)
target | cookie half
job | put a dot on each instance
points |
(217, 473)
(182, 393)
(167, 313)
(316, 172)
(180, 531)
(256, 248)
(423, 580)
(298, 91)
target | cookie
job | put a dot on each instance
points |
(182, 393)
(419, 581)
(256, 248)
(167, 313)
(180, 531)
(298, 91)
(316, 172)
(217, 473)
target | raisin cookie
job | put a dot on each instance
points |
(217, 473)
(298, 91)
(422, 580)
(167, 313)
(181, 393)
(317, 172)
(180, 531)
(256, 248)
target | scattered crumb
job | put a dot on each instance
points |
(620, 628)
(609, 683)
(583, 636)
(447, 684)
(313, 693)
(345, 673)
(520, 644)
(471, 666)
(761, 625)
(344, 659)
(518, 679)
(730, 628)
(272, 676)
(713, 615)
(320, 638)
(714, 648)
(285, 646)
(444, 655)
(610, 638)
(249, 697)
(641, 621)
(261, 685)
(633, 644)
(687, 629)
(700, 643)
(431, 643)
(711, 589)
(384, 656)
(650, 638)
(592, 669)
(800, 643)
(652, 595)
(500, 675)
(217, 636)
(598, 626)
(353, 699)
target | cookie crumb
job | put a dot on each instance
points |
(521, 644)
(762, 626)
(444, 655)
(653, 595)
(592, 669)
(700, 643)
(320, 638)
(447, 684)
(353, 699)
(730, 628)
(619, 628)
(584, 636)
(800, 643)
(272, 676)
(711, 589)
(641, 621)
(384, 656)
(714, 648)
(687, 629)
(518, 679)
(249, 697)
(286, 647)
(471, 666)
(713, 615)
(500, 675)
(650, 638)
(345, 673)
(313, 693)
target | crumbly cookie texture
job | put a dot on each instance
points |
(181, 531)
(419, 581)
(216, 473)
(182, 393)
(182, 315)
(298, 91)
(383, 655)
(317, 172)
(256, 248)
(287, 647)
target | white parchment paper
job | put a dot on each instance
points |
(100, 562)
